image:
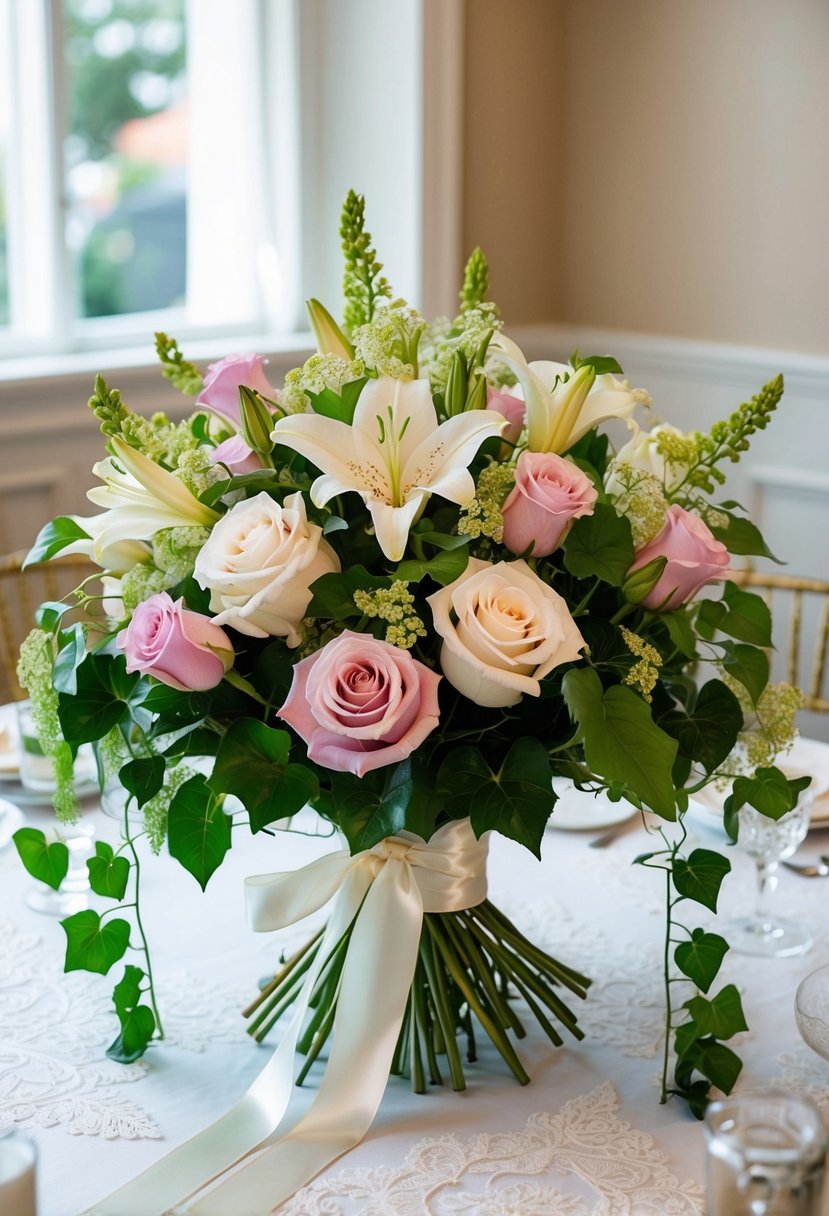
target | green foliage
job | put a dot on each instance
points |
(748, 665)
(198, 830)
(700, 876)
(707, 729)
(363, 283)
(740, 614)
(108, 873)
(601, 364)
(143, 778)
(443, 569)
(183, 375)
(52, 538)
(600, 546)
(383, 803)
(341, 405)
(93, 944)
(769, 791)
(137, 1020)
(253, 764)
(100, 701)
(621, 740)
(700, 958)
(108, 408)
(721, 1016)
(741, 537)
(333, 594)
(47, 863)
(515, 800)
(475, 280)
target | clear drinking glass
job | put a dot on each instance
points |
(811, 1008)
(18, 1159)
(766, 1156)
(769, 842)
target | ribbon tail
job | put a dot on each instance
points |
(374, 989)
(249, 1123)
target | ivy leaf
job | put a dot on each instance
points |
(769, 791)
(714, 1060)
(53, 537)
(701, 957)
(252, 763)
(175, 708)
(368, 814)
(49, 614)
(600, 363)
(700, 876)
(72, 648)
(722, 1017)
(600, 546)
(104, 688)
(338, 405)
(93, 944)
(742, 537)
(137, 1020)
(748, 665)
(47, 863)
(143, 778)
(706, 733)
(621, 740)
(333, 594)
(198, 830)
(108, 874)
(747, 616)
(516, 801)
(444, 569)
(681, 632)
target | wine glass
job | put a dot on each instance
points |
(765, 1155)
(811, 1008)
(769, 841)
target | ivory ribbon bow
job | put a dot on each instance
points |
(384, 892)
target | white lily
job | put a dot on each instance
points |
(560, 412)
(394, 454)
(140, 498)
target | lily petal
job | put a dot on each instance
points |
(162, 485)
(392, 524)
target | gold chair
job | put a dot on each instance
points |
(20, 593)
(803, 604)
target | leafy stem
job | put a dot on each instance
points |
(139, 924)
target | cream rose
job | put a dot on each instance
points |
(259, 564)
(503, 630)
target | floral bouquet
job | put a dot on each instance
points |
(408, 589)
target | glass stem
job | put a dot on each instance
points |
(766, 886)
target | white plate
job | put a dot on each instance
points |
(20, 796)
(577, 811)
(9, 763)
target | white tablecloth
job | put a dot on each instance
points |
(588, 1136)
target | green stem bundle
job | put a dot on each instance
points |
(470, 966)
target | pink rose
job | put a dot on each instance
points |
(509, 407)
(360, 704)
(221, 384)
(236, 456)
(549, 492)
(694, 559)
(181, 648)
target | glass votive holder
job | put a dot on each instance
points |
(766, 1152)
(36, 771)
(811, 1010)
(18, 1188)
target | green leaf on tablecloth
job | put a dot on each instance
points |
(747, 616)
(93, 944)
(253, 764)
(384, 803)
(47, 863)
(769, 791)
(707, 731)
(600, 546)
(701, 957)
(108, 874)
(143, 778)
(749, 665)
(621, 740)
(516, 800)
(700, 876)
(198, 830)
(721, 1016)
(137, 1020)
(52, 538)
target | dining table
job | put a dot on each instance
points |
(588, 1136)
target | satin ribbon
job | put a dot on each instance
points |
(383, 892)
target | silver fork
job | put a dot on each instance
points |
(810, 869)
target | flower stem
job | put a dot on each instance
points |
(144, 946)
(666, 966)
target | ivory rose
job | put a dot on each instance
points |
(694, 556)
(259, 563)
(503, 630)
(360, 704)
(221, 384)
(549, 492)
(181, 648)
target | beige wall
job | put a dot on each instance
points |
(512, 139)
(679, 150)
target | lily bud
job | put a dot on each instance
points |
(476, 396)
(257, 422)
(329, 337)
(641, 582)
(456, 386)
